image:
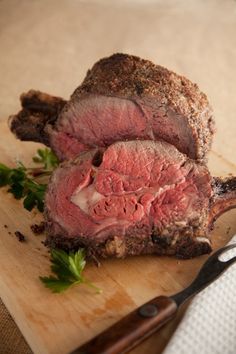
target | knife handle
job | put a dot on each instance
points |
(132, 329)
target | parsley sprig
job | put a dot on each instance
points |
(24, 182)
(68, 270)
(47, 158)
(21, 186)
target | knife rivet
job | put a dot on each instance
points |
(148, 310)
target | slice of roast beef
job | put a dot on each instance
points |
(135, 197)
(121, 98)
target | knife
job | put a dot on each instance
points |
(148, 318)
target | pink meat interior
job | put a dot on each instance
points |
(100, 121)
(138, 184)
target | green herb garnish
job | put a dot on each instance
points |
(24, 182)
(68, 270)
(22, 186)
(47, 158)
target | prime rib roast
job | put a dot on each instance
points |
(133, 140)
(121, 98)
(135, 197)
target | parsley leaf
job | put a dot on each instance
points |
(55, 285)
(35, 197)
(22, 186)
(4, 174)
(16, 181)
(47, 158)
(68, 271)
(23, 182)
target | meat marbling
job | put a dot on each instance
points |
(134, 198)
(121, 98)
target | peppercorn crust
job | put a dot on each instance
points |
(131, 77)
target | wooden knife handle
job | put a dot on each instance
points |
(132, 329)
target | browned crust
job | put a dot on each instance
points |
(186, 245)
(130, 77)
(38, 110)
(224, 197)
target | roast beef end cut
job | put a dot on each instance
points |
(136, 197)
(224, 197)
(38, 111)
(122, 97)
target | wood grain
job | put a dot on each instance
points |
(52, 52)
(60, 323)
(132, 329)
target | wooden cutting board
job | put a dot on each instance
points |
(57, 324)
